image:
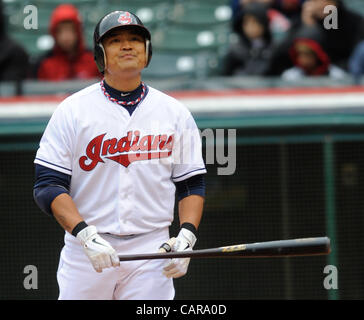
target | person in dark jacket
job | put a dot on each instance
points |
(309, 57)
(69, 58)
(251, 53)
(340, 41)
(14, 60)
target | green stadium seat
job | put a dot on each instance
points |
(151, 12)
(44, 16)
(355, 5)
(137, 3)
(88, 9)
(192, 14)
(55, 3)
(15, 19)
(9, 6)
(167, 65)
(176, 38)
(181, 65)
(212, 2)
(34, 41)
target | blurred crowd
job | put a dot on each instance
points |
(295, 39)
(69, 58)
(283, 38)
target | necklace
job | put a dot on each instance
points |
(120, 102)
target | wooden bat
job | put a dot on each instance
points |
(279, 248)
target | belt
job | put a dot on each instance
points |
(122, 236)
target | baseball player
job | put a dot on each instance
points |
(110, 163)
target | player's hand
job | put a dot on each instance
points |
(184, 242)
(99, 251)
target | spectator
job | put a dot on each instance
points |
(290, 8)
(14, 60)
(349, 32)
(310, 58)
(250, 54)
(278, 22)
(237, 5)
(340, 41)
(68, 59)
(356, 62)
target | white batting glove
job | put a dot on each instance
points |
(99, 251)
(177, 267)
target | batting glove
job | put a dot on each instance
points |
(185, 241)
(99, 251)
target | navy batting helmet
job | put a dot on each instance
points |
(117, 19)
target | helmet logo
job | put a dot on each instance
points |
(125, 18)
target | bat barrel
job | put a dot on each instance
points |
(294, 247)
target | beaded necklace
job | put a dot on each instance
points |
(120, 102)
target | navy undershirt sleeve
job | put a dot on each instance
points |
(193, 185)
(48, 185)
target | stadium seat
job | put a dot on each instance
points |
(198, 14)
(151, 12)
(16, 15)
(203, 2)
(355, 5)
(54, 3)
(34, 41)
(44, 16)
(176, 38)
(167, 65)
(11, 6)
(181, 65)
(15, 18)
(137, 3)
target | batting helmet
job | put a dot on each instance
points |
(117, 19)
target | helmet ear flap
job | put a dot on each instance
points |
(148, 51)
(100, 57)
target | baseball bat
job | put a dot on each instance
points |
(278, 248)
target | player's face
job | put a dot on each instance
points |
(125, 51)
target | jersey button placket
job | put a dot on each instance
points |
(124, 196)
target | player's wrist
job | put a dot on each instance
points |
(186, 236)
(189, 226)
(79, 227)
(86, 234)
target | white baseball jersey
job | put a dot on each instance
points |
(122, 167)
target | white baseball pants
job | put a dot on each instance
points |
(132, 280)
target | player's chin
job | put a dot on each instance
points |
(129, 66)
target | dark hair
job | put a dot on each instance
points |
(257, 10)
